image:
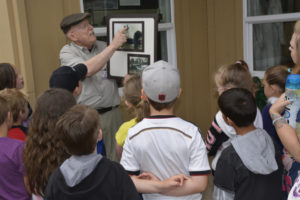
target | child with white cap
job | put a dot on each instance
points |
(164, 144)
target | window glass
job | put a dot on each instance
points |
(271, 44)
(162, 53)
(99, 9)
(269, 7)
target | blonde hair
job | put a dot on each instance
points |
(16, 100)
(277, 75)
(132, 94)
(235, 75)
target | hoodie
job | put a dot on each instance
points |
(250, 168)
(257, 152)
(230, 133)
(90, 177)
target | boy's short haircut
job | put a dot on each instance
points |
(78, 129)
(238, 104)
(160, 106)
(161, 83)
(17, 101)
(4, 109)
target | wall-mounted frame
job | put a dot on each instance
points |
(137, 63)
(135, 35)
(141, 47)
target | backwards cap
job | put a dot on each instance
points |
(67, 77)
(161, 82)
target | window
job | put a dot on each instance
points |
(268, 27)
(99, 9)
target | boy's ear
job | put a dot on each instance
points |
(227, 120)
(9, 120)
(99, 135)
(179, 93)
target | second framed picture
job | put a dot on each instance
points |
(137, 63)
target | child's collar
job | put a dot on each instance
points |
(160, 116)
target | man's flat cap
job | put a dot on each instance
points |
(72, 20)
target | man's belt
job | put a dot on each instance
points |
(104, 110)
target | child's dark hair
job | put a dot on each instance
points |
(277, 75)
(4, 109)
(238, 104)
(78, 129)
(132, 93)
(8, 77)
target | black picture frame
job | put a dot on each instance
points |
(136, 63)
(135, 35)
(117, 66)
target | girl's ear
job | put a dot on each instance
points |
(128, 104)
(143, 96)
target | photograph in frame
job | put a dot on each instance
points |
(137, 63)
(134, 34)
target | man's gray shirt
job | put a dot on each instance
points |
(97, 91)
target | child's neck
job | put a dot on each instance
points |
(154, 112)
(244, 130)
(17, 123)
(3, 130)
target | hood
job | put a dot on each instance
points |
(76, 168)
(257, 152)
(228, 130)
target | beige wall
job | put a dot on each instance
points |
(46, 38)
(208, 34)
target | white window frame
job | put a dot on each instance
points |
(249, 21)
(168, 27)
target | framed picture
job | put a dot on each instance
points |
(134, 34)
(137, 63)
(140, 48)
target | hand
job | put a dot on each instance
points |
(148, 176)
(119, 39)
(176, 180)
(278, 107)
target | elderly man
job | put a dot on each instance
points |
(97, 92)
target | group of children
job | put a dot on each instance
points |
(164, 155)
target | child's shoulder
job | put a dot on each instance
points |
(128, 124)
(171, 122)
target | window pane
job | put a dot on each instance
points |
(269, 7)
(99, 9)
(270, 44)
(162, 50)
